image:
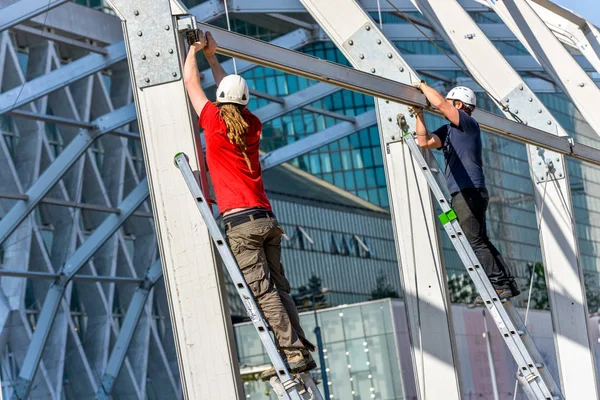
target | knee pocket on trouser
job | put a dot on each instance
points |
(257, 280)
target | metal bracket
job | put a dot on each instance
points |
(152, 42)
(188, 26)
(360, 46)
(525, 106)
(546, 165)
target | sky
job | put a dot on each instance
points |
(589, 9)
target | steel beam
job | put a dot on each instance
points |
(51, 119)
(60, 39)
(73, 264)
(134, 312)
(291, 41)
(531, 30)
(24, 10)
(317, 140)
(558, 235)
(295, 6)
(61, 165)
(570, 28)
(423, 275)
(83, 278)
(45, 84)
(193, 281)
(296, 100)
(256, 51)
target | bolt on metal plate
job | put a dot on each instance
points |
(150, 38)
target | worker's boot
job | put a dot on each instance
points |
(503, 294)
(294, 360)
(310, 361)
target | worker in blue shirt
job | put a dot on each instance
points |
(460, 140)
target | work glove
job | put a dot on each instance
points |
(414, 110)
(417, 85)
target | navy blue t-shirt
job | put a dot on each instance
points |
(462, 150)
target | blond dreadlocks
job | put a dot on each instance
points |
(237, 127)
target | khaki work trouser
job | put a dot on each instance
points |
(256, 246)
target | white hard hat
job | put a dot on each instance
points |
(233, 89)
(464, 94)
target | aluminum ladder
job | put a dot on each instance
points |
(286, 387)
(532, 374)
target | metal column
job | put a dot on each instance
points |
(423, 275)
(134, 312)
(529, 28)
(53, 299)
(193, 280)
(61, 165)
(558, 236)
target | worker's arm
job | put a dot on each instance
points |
(191, 76)
(215, 66)
(425, 139)
(439, 102)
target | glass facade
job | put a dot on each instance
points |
(360, 349)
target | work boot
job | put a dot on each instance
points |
(295, 362)
(310, 361)
(503, 294)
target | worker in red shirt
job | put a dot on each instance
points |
(232, 136)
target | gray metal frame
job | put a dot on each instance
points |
(34, 91)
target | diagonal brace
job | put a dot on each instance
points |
(53, 299)
(134, 312)
(61, 165)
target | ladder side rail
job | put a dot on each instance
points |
(235, 273)
(193, 279)
(477, 274)
(551, 188)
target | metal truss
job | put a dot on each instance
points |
(61, 165)
(533, 33)
(558, 237)
(72, 265)
(135, 373)
(24, 10)
(102, 183)
(134, 313)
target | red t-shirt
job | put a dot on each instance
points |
(235, 186)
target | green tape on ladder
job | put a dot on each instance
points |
(448, 216)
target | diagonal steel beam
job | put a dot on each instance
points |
(48, 83)
(73, 264)
(61, 165)
(317, 140)
(134, 312)
(535, 35)
(24, 10)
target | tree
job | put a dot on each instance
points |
(383, 289)
(461, 289)
(312, 290)
(539, 291)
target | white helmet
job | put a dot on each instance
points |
(233, 89)
(464, 94)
